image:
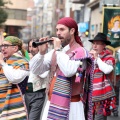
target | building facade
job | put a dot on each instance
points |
(46, 15)
(17, 17)
(91, 13)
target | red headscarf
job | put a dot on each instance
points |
(70, 23)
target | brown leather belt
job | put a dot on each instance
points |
(75, 98)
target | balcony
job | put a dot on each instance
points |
(79, 1)
(93, 3)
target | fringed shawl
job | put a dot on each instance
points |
(103, 91)
(11, 100)
(102, 88)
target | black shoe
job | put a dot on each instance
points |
(115, 114)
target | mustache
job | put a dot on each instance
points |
(60, 37)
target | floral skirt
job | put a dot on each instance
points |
(104, 107)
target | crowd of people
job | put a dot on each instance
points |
(67, 82)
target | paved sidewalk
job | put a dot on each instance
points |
(115, 118)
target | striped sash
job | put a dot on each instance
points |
(12, 105)
(60, 99)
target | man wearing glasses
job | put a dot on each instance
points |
(13, 79)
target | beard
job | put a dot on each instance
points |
(64, 41)
(33, 53)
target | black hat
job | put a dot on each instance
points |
(101, 37)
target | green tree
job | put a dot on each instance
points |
(3, 13)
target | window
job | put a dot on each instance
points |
(100, 27)
(11, 13)
(61, 1)
(96, 28)
(17, 14)
(92, 27)
(77, 16)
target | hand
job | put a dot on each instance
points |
(43, 48)
(57, 43)
(94, 54)
(116, 60)
(30, 55)
(1, 58)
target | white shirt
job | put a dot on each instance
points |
(119, 54)
(38, 81)
(14, 76)
(104, 67)
(41, 63)
(33, 76)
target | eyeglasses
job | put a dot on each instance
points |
(5, 46)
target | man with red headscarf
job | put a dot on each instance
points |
(70, 85)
